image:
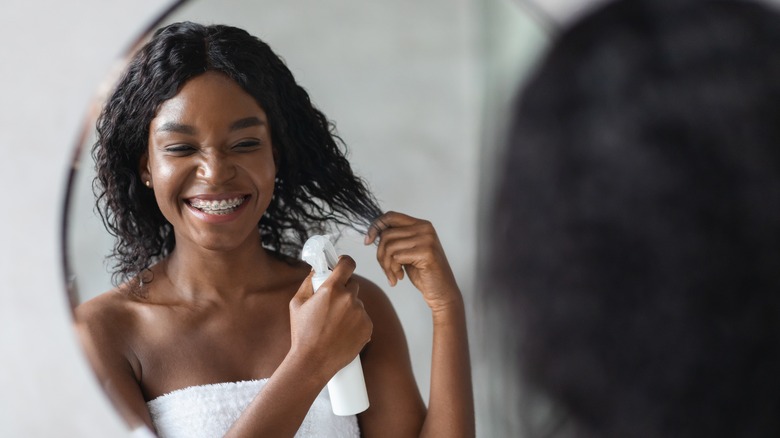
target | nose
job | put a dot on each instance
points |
(216, 169)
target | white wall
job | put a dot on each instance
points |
(52, 55)
(420, 75)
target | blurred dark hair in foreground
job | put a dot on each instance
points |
(634, 242)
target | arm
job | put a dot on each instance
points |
(410, 246)
(102, 327)
(328, 329)
(451, 407)
(396, 409)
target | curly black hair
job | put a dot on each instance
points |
(635, 234)
(315, 189)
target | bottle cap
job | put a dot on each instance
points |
(319, 252)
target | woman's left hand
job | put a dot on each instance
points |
(411, 245)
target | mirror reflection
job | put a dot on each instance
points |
(205, 299)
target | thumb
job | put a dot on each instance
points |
(305, 291)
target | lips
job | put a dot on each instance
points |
(219, 207)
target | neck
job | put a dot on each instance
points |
(226, 275)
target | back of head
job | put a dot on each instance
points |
(635, 237)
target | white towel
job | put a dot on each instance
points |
(208, 411)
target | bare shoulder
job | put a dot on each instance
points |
(109, 311)
(388, 336)
(106, 326)
(377, 303)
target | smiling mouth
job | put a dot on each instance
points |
(217, 207)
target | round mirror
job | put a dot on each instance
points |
(416, 91)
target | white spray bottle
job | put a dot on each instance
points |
(347, 388)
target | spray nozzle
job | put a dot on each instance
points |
(319, 252)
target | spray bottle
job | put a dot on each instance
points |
(347, 388)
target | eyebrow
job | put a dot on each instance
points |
(246, 123)
(176, 127)
(190, 130)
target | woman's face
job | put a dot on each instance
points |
(210, 163)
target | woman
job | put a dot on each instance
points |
(213, 167)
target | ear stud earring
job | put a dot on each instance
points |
(148, 183)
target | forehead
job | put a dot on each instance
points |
(210, 98)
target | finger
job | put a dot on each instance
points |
(411, 238)
(392, 279)
(375, 229)
(399, 234)
(386, 256)
(393, 272)
(397, 230)
(353, 286)
(395, 234)
(384, 259)
(415, 256)
(400, 250)
(422, 229)
(342, 271)
(393, 219)
(403, 238)
(390, 219)
(400, 238)
(305, 291)
(398, 271)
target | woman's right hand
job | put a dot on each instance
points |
(330, 327)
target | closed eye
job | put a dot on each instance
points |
(180, 149)
(247, 145)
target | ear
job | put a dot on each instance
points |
(143, 168)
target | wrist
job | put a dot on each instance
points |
(446, 308)
(310, 366)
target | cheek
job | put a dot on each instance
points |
(264, 171)
(270, 177)
(162, 170)
(167, 181)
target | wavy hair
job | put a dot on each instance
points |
(315, 186)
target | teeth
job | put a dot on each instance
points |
(223, 206)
